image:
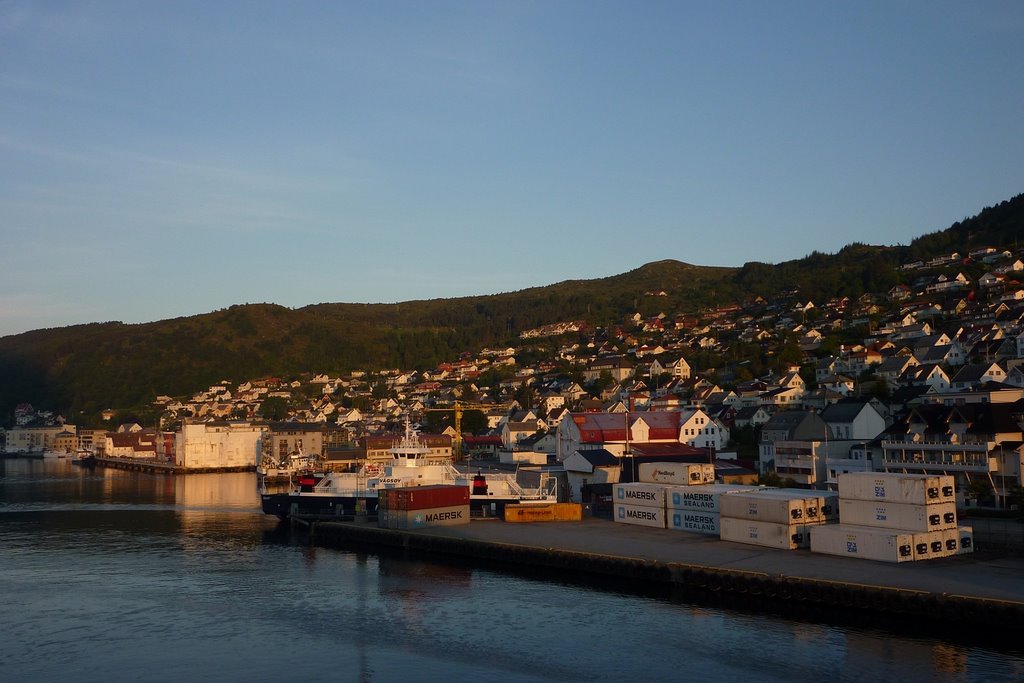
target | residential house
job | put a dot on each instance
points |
(977, 441)
(619, 367)
(587, 468)
(789, 445)
(975, 374)
(615, 432)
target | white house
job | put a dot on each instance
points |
(583, 468)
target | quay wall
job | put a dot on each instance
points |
(763, 587)
(154, 467)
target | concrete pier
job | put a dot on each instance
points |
(963, 589)
(154, 467)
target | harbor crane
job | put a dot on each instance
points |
(458, 408)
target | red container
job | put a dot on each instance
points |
(425, 497)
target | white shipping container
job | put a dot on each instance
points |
(813, 501)
(429, 517)
(676, 473)
(765, 506)
(637, 493)
(768, 534)
(698, 522)
(965, 538)
(893, 487)
(703, 498)
(931, 545)
(640, 515)
(829, 505)
(870, 543)
(898, 515)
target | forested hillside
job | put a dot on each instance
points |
(89, 367)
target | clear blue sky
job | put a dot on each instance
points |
(160, 159)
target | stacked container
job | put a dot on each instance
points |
(774, 518)
(639, 503)
(417, 507)
(676, 473)
(895, 517)
(698, 508)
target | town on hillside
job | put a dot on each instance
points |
(927, 378)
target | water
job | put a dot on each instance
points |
(109, 575)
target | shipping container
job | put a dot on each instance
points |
(765, 506)
(646, 495)
(694, 521)
(676, 473)
(965, 536)
(640, 514)
(767, 534)
(452, 515)
(893, 487)
(951, 541)
(898, 515)
(931, 545)
(703, 498)
(547, 512)
(813, 501)
(424, 497)
(870, 543)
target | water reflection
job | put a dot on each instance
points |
(124, 575)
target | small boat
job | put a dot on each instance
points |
(85, 458)
(412, 464)
(288, 467)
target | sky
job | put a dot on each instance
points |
(165, 159)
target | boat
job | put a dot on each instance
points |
(288, 467)
(333, 494)
(85, 458)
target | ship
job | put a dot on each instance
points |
(337, 494)
(289, 466)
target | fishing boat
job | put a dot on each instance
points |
(336, 494)
(85, 458)
(288, 467)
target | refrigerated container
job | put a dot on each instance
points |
(641, 515)
(898, 515)
(637, 493)
(895, 487)
(676, 473)
(698, 522)
(765, 506)
(703, 498)
(767, 534)
(870, 543)
(965, 540)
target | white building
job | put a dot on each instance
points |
(218, 444)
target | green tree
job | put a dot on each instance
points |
(274, 408)
(980, 489)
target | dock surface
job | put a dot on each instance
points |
(973, 587)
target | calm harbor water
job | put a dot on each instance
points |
(110, 575)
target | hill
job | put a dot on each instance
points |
(85, 368)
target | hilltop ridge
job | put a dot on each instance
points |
(85, 368)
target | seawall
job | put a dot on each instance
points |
(963, 590)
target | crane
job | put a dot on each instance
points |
(458, 408)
